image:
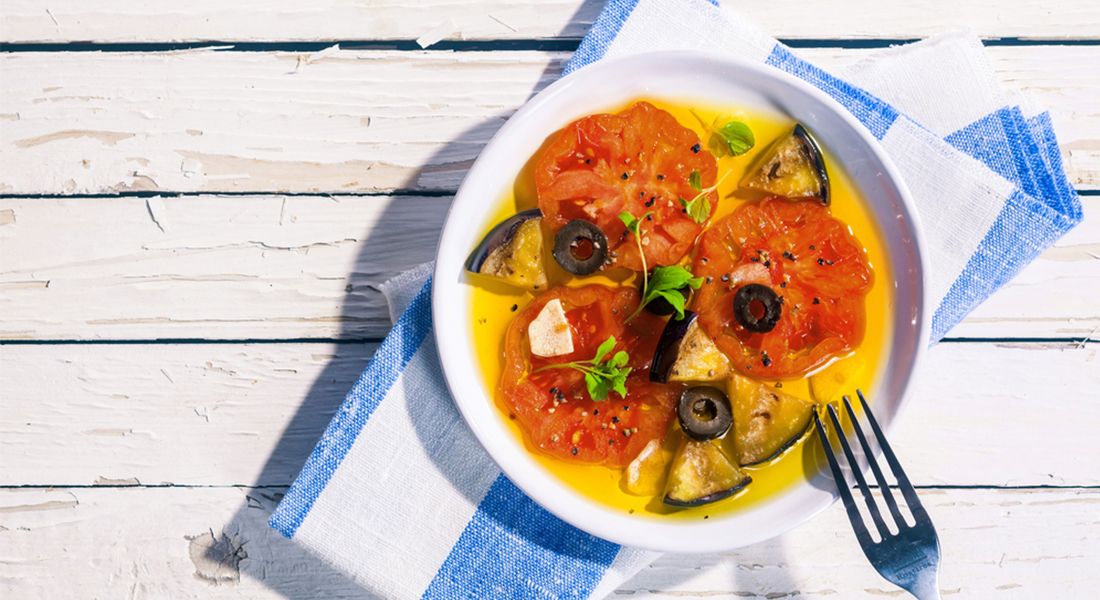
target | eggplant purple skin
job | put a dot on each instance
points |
(715, 497)
(668, 347)
(498, 236)
(819, 161)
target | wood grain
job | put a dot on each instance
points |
(240, 414)
(281, 20)
(349, 121)
(288, 267)
(214, 543)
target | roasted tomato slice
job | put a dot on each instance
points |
(637, 161)
(554, 406)
(808, 258)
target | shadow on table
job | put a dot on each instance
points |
(262, 553)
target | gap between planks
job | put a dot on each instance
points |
(252, 21)
(249, 415)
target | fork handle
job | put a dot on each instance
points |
(926, 588)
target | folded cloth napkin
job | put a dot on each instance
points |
(399, 494)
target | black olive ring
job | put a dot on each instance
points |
(705, 413)
(566, 241)
(742, 307)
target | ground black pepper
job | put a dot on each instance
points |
(696, 148)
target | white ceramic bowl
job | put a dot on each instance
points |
(714, 79)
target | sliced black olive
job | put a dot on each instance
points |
(668, 347)
(498, 237)
(705, 412)
(580, 247)
(662, 307)
(757, 308)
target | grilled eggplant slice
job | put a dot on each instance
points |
(685, 353)
(700, 474)
(765, 420)
(513, 251)
(793, 167)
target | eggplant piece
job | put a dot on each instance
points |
(765, 421)
(704, 413)
(793, 167)
(700, 474)
(513, 251)
(685, 353)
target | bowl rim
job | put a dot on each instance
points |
(642, 531)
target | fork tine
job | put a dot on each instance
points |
(906, 488)
(882, 486)
(876, 516)
(854, 517)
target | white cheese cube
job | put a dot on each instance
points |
(550, 334)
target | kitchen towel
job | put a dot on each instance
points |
(400, 496)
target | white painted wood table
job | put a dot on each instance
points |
(198, 201)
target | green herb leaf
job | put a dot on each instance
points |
(620, 359)
(630, 222)
(698, 208)
(667, 283)
(696, 180)
(601, 377)
(728, 137)
(737, 137)
(604, 348)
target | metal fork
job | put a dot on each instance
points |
(909, 558)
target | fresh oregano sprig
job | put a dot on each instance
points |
(634, 226)
(601, 377)
(732, 138)
(667, 283)
(698, 208)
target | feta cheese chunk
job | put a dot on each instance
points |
(550, 334)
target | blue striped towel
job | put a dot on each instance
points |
(400, 496)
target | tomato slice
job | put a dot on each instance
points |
(637, 161)
(554, 406)
(809, 259)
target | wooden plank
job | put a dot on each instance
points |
(92, 123)
(280, 20)
(287, 267)
(209, 267)
(240, 414)
(214, 543)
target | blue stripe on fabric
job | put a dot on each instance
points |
(603, 32)
(387, 364)
(997, 141)
(875, 114)
(514, 549)
(1042, 131)
(1024, 229)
